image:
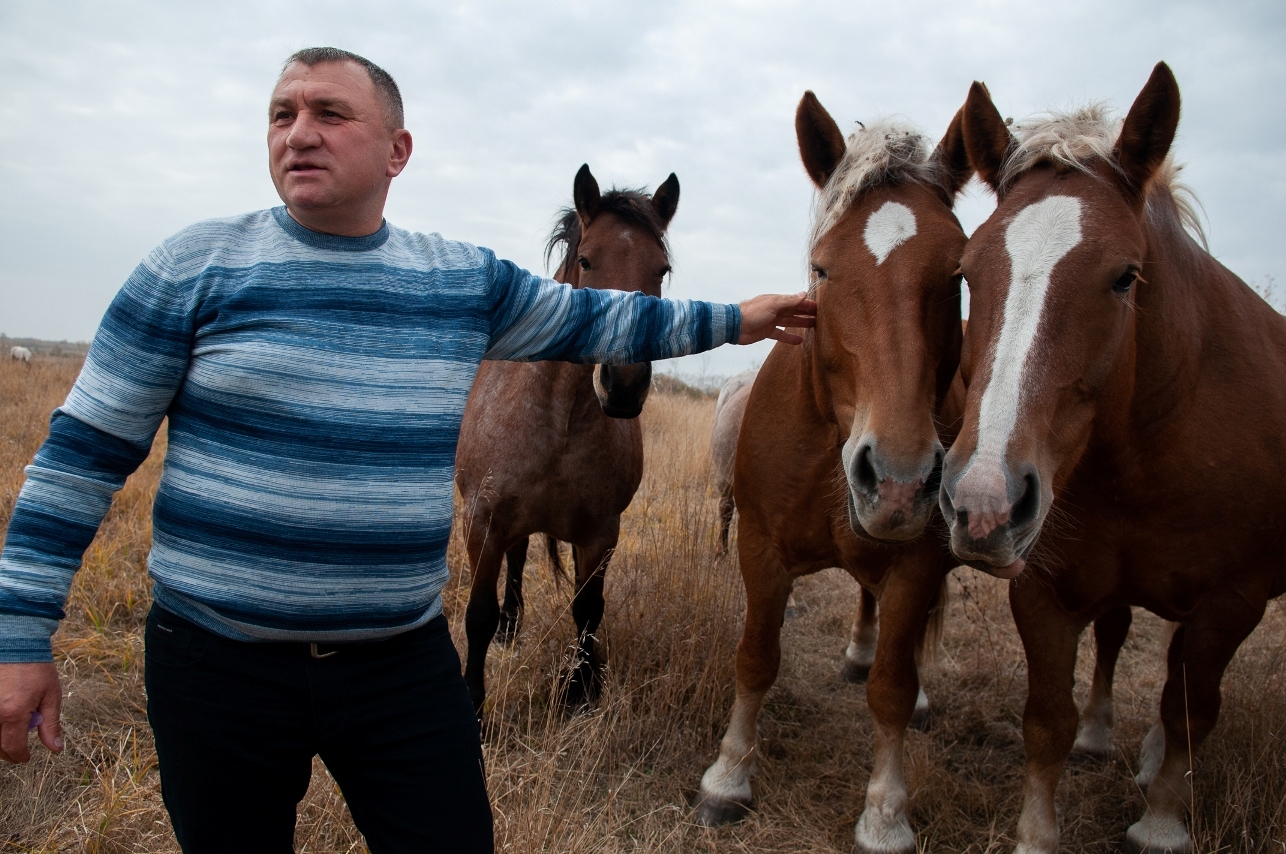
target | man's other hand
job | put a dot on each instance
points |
(771, 315)
(24, 690)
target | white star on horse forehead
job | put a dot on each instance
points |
(887, 229)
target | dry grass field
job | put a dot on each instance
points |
(617, 779)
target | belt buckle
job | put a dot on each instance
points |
(312, 649)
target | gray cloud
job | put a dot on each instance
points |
(124, 122)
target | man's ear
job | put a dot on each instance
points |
(1148, 130)
(987, 139)
(400, 152)
(666, 199)
(585, 195)
(821, 145)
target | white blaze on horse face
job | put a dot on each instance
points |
(887, 229)
(1037, 238)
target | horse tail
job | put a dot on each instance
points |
(555, 560)
(927, 649)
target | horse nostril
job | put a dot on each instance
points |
(605, 378)
(866, 480)
(1028, 505)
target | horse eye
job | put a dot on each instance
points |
(584, 262)
(1127, 280)
(665, 271)
(819, 272)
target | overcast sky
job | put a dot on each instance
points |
(122, 122)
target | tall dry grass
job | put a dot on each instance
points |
(617, 779)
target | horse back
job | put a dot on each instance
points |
(536, 449)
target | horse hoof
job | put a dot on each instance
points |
(855, 673)
(713, 811)
(1133, 847)
(582, 688)
(877, 833)
(866, 849)
(506, 632)
(1156, 835)
(1094, 752)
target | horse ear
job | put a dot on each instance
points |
(953, 159)
(987, 139)
(666, 198)
(585, 194)
(1149, 129)
(821, 145)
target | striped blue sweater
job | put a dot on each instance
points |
(314, 387)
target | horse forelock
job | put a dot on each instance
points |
(1079, 138)
(633, 206)
(889, 151)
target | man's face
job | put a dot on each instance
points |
(329, 145)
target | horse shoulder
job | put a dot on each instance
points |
(787, 476)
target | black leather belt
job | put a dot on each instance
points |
(322, 650)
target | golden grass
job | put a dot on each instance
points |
(617, 779)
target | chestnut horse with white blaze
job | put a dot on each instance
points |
(555, 447)
(1118, 372)
(839, 454)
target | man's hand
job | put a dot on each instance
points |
(24, 690)
(770, 315)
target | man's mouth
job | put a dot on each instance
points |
(305, 167)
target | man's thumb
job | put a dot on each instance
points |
(51, 727)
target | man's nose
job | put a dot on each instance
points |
(303, 133)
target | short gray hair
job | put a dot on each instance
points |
(385, 86)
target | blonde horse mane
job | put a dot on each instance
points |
(1078, 138)
(889, 151)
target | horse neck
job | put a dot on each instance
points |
(812, 396)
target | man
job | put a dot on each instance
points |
(314, 364)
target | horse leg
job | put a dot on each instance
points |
(859, 655)
(1199, 654)
(511, 610)
(587, 610)
(1152, 751)
(1094, 736)
(725, 795)
(1049, 638)
(727, 505)
(482, 615)
(893, 694)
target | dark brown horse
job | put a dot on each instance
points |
(555, 447)
(1126, 388)
(839, 453)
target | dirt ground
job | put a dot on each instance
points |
(618, 779)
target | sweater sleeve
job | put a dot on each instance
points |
(97, 438)
(534, 318)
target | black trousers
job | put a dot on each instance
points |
(237, 725)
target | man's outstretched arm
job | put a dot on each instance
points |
(535, 318)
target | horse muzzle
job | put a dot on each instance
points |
(994, 518)
(887, 502)
(622, 389)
